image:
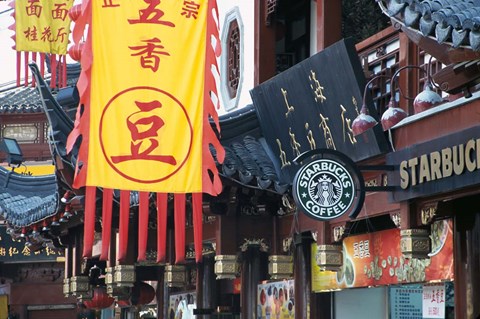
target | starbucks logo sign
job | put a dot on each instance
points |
(326, 188)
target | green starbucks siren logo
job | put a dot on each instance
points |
(324, 189)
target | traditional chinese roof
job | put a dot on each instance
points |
(25, 200)
(248, 159)
(22, 100)
(455, 22)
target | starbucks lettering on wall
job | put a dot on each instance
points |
(328, 187)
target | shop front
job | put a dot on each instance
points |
(440, 177)
(381, 278)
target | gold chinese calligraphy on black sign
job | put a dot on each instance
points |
(312, 106)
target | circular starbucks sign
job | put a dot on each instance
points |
(325, 189)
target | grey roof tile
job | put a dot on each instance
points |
(448, 21)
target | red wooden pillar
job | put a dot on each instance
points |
(264, 45)
(329, 23)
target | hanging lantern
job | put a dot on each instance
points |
(75, 12)
(226, 266)
(141, 294)
(100, 299)
(75, 51)
(280, 267)
(415, 243)
(175, 275)
(66, 287)
(80, 287)
(329, 257)
(124, 275)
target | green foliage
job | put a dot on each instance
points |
(362, 19)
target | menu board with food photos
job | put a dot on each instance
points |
(276, 300)
(375, 259)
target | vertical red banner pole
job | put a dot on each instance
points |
(53, 70)
(162, 204)
(197, 203)
(42, 64)
(106, 222)
(123, 225)
(25, 65)
(64, 70)
(34, 59)
(89, 221)
(143, 210)
(179, 212)
(19, 67)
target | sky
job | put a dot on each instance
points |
(7, 54)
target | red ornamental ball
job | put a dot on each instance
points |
(75, 51)
(100, 300)
(75, 12)
(142, 293)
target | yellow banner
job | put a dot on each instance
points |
(147, 90)
(42, 25)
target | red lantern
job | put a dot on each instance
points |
(75, 12)
(75, 51)
(142, 293)
(100, 300)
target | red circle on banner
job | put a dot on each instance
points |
(142, 125)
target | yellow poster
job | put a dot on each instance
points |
(42, 25)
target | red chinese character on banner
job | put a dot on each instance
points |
(149, 53)
(190, 9)
(31, 33)
(61, 34)
(33, 9)
(60, 11)
(151, 14)
(146, 139)
(109, 4)
(47, 35)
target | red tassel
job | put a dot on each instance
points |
(89, 221)
(53, 70)
(106, 222)
(162, 201)
(179, 212)
(64, 71)
(197, 201)
(143, 225)
(25, 64)
(42, 64)
(123, 225)
(19, 63)
(59, 72)
(34, 59)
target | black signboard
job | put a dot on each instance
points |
(15, 250)
(312, 106)
(441, 165)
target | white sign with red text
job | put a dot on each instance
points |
(434, 301)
